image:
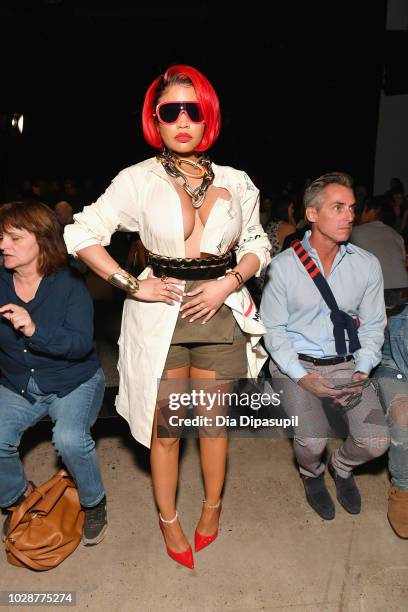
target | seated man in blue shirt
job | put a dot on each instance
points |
(312, 354)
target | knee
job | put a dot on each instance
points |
(212, 433)
(398, 411)
(71, 442)
(167, 444)
(375, 446)
(313, 445)
(8, 444)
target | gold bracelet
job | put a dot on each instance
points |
(124, 281)
(238, 277)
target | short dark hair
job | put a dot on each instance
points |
(41, 221)
(396, 185)
(280, 207)
(382, 204)
(312, 195)
(378, 203)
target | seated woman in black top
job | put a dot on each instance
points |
(48, 363)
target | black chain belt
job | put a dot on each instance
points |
(188, 268)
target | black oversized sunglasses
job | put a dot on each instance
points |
(169, 112)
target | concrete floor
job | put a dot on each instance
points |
(273, 553)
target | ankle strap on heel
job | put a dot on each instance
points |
(211, 506)
(171, 521)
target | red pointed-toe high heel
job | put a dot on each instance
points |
(200, 540)
(184, 558)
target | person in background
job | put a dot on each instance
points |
(48, 363)
(282, 223)
(361, 194)
(72, 195)
(54, 189)
(265, 210)
(387, 245)
(392, 374)
(392, 378)
(63, 211)
(396, 185)
(279, 227)
(40, 191)
(398, 204)
(398, 214)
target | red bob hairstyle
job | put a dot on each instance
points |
(208, 99)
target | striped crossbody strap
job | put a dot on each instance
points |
(340, 319)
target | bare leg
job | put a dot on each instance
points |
(164, 457)
(213, 455)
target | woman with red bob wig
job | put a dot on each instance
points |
(206, 97)
(189, 327)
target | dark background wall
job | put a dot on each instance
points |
(299, 83)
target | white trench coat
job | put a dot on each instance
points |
(142, 199)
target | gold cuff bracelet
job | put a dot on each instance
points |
(124, 281)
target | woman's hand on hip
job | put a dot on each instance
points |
(19, 318)
(164, 289)
(207, 299)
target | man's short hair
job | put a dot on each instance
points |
(313, 193)
(377, 202)
(382, 204)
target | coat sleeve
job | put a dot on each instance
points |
(253, 238)
(116, 209)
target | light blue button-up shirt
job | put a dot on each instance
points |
(298, 319)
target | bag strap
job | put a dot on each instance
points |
(22, 557)
(340, 319)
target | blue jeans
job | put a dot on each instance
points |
(392, 376)
(73, 417)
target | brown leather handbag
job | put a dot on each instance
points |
(47, 526)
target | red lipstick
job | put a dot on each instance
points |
(183, 137)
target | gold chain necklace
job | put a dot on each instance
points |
(172, 164)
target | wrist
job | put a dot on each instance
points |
(123, 280)
(236, 277)
(230, 282)
(229, 285)
(30, 330)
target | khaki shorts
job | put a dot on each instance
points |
(227, 360)
(218, 346)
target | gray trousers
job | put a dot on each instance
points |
(363, 427)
